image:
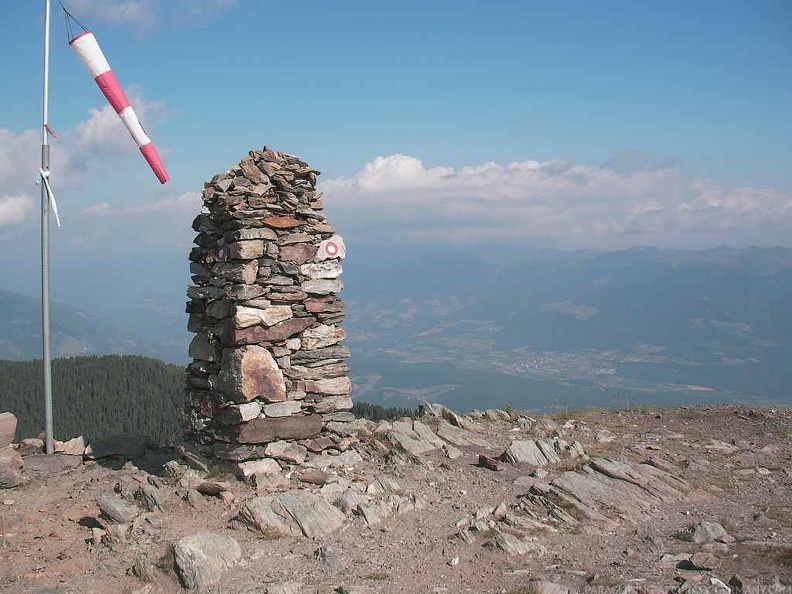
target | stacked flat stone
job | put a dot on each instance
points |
(267, 370)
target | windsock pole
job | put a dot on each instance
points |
(45, 263)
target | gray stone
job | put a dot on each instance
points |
(333, 386)
(287, 451)
(201, 348)
(347, 459)
(331, 403)
(292, 512)
(251, 468)
(375, 512)
(246, 250)
(512, 545)
(460, 437)
(329, 556)
(322, 286)
(704, 532)
(239, 413)
(524, 451)
(321, 336)
(704, 562)
(200, 559)
(153, 498)
(117, 510)
(237, 272)
(281, 409)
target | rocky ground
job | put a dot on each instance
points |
(689, 499)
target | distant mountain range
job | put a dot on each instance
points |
(477, 327)
(583, 328)
(74, 332)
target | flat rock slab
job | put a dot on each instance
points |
(291, 513)
(608, 490)
(272, 429)
(201, 559)
(460, 437)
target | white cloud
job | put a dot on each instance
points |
(100, 137)
(103, 132)
(15, 209)
(188, 202)
(145, 14)
(139, 13)
(555, 202)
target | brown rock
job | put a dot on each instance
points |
(313, 476)
(298, 253)
(8, 425)
(237, 272)
(277, 333)
(272, 429)
(323, 304)
(246, 250)
(319, 444)
(281, 222)
(333, 386)
(704, 562)
(290, 296)
(329, 404)
(251, 372)
(490, 463)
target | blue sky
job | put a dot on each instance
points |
(567, 124)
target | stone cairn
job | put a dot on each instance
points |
(268, 373)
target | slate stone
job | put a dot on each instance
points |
(277, 333)
(266, 430)
(202, 558)
(524, 451)
(117, 510)
(321, 336)
(322, 286)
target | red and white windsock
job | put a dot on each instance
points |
(91, 55)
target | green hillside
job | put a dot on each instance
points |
(97, 397)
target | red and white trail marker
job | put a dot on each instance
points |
(331, 248)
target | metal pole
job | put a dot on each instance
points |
(45, 265)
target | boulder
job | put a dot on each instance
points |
(8, 425)
(200, 559)
(11, 466)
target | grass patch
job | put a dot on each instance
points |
(683, 535)
(269, 533)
